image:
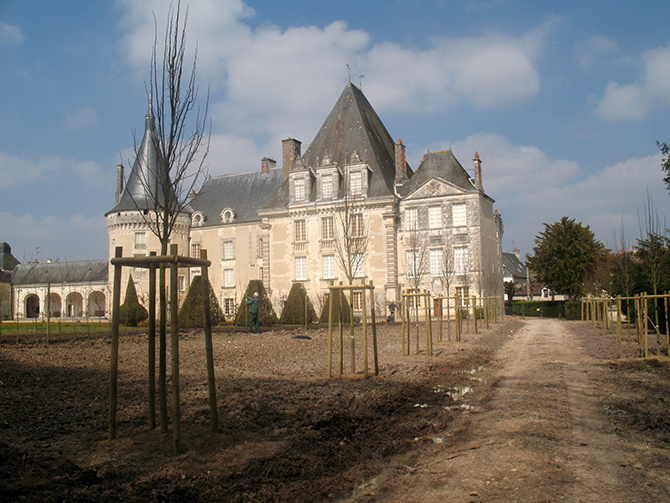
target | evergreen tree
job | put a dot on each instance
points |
(192, 314)
(266, 314)
(132, 312)
(564, 254)
(346, 311)
(294, 309)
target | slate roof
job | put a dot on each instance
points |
(352, 126)
(143, 185)
(83, 271)
(244, 193)
(7, 260)
(442, 165)
(513, 266)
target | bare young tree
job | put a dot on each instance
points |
(181, 146)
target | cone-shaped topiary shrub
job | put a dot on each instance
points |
(266, 313)
(192, 313)
(294, 309)
(336, 308)
(132, 312)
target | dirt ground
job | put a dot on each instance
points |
(529, 410)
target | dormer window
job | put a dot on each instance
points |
(327, 186)
(299, 189)
(356, 183)
(227, 216)
(198, 219)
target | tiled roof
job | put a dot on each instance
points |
(7, 260)
(441, 165)
(61, 272)
(513, 266)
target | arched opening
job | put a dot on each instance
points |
(32, 306)
(75, 305)
(96, 304)
(55, 305)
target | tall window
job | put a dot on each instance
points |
(358, 264)
(436, 262)
(459, 215)
(140, 240)
(327, 228)
(461, 260)
(358, 303)
(229, 306)
(229, 278)
(464, 294)
(301, 268)
(435, 217)
(412, 263)
(181, 283)
(356, 181)
(328, 267)
(299, 189)
(228, 250)
(327, 186)
(411, 219)
(195, 250)
(300, 231)
(357, 228)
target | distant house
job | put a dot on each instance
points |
(516, 271)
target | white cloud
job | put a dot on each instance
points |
(16, 171)
(55, 237)
(10, 34)
(81, 118)
(634, 101)
(281, 82)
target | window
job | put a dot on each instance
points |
(436, 262)
(328, 267)
(411, 219)
(358, 265)
(229, 306)
(459, 216)
(301, 268)
(412, 263)
(358, 304)
(463, 293)
(229, 278)
(461, 260)
(300, 231)
(228, 250)
(261, 243)
(357, 227)
(181, 283)
(140, 240)
(356, 182)
(327, 186)
(327, 228)
(434, 217)
(299, 189)
(195, 250)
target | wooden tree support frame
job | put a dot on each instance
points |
(152, 262)
(353, 288)
(416, 296)
(596, 309)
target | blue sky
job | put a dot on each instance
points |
(562, 100)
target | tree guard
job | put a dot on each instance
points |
(173, 261)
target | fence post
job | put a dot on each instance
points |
(618, 319)
(209, 349)
(114, 359)
(474, 312)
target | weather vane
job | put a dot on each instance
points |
(360, 81)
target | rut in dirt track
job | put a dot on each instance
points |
(542, 437)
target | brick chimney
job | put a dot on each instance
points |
(400, 163)
(478, 171)
(290, 152)
(267, 164)
(119, 182)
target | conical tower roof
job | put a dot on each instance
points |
(353, 127)
(144, 186)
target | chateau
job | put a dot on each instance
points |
(349, 208)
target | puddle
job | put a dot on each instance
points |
(367, 488)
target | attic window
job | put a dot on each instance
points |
(227, 216)
(198, 219)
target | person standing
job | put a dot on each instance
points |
(254, 305)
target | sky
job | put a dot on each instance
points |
(564, 101)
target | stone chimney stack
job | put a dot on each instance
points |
(400, 163)
(517, 252)
(267, 164)
(478, 171)
(119, 182)
(290, 152)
